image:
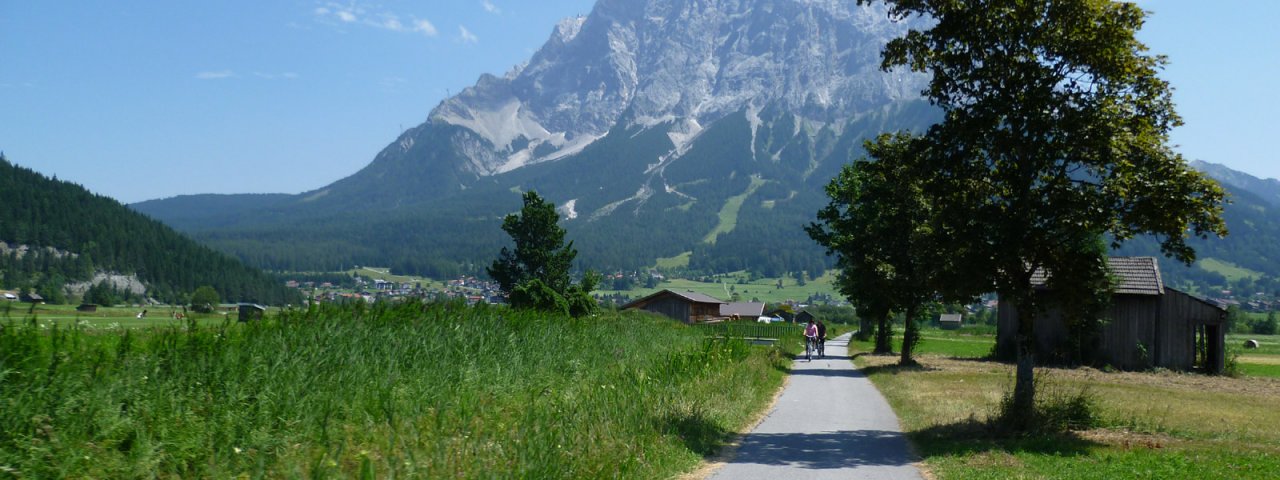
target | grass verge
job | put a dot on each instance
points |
(376, 391)
(1151, 425)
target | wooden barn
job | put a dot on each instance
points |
(250, 311)
(1147, 325)
(687, 307)
(950, 321)
(740, 310)
(804, 317)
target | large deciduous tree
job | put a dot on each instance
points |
(880, 224)
(1055, 131)
(536, 273)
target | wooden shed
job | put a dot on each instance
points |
(804, 317)
(250, 311)
(687, 307)
(1147, 325)
(87, 308)
(950, 321)
(748, 310)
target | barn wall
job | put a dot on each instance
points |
(670, 306)
(1183, 314)
(1131, 322)
(1165, 326)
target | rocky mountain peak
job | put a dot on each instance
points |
(677, 63)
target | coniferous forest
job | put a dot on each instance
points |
(69, 234)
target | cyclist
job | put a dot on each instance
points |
(810, 339)
(822, 339)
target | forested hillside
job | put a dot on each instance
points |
(57, 232)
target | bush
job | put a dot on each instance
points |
(1057, 411)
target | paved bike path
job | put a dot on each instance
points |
(830, 422)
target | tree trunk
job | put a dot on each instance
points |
(909, 337)
(866, 328)
(1022, 410)
(884, 335)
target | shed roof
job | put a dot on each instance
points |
(742, 309)
(950, 317)
(693, 297)
(1134, 276)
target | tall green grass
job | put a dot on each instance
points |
(376, 391)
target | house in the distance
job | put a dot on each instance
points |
(805, 317)
(950, 321)
(741, 310)
(687, 307)
(1147, 325)
(251, 311)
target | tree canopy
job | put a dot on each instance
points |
(536, 273)
(1055, 132)
(879, 224)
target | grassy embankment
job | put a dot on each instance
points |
(1150, 424)
(410, 390)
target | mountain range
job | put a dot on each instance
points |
(660, 128)
(54, 233)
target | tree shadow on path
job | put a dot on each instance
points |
(826, 450)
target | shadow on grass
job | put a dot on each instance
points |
(972, 437)
(894, 369)
(698, 433)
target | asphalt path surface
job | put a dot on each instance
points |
(830, 422)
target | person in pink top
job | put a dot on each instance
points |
(810, 339)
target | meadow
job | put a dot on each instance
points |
(762, 289)
(1145, 424)
(375, 391)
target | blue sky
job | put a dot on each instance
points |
(148, 99)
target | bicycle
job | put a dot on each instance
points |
(809, 345)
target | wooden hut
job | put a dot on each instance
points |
(804, 317)
(250, 311)
(687, 307)
(784, 314)
(1147, 325)
(747, 310)
(87, 308)
(950, 321)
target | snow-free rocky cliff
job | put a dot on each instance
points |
(678, 64)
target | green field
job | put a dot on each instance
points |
(376, 391)
(765, 289)
(112, 317)
(729, 212)
(1230, 271)
(678, 261)
(1148, 425)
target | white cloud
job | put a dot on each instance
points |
(466, 36)
(335, 13)
(215, 75)
(490, 7)
(425, 27)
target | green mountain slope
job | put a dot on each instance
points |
(75, 233)
(630, 206)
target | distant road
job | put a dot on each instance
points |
(830, 422)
